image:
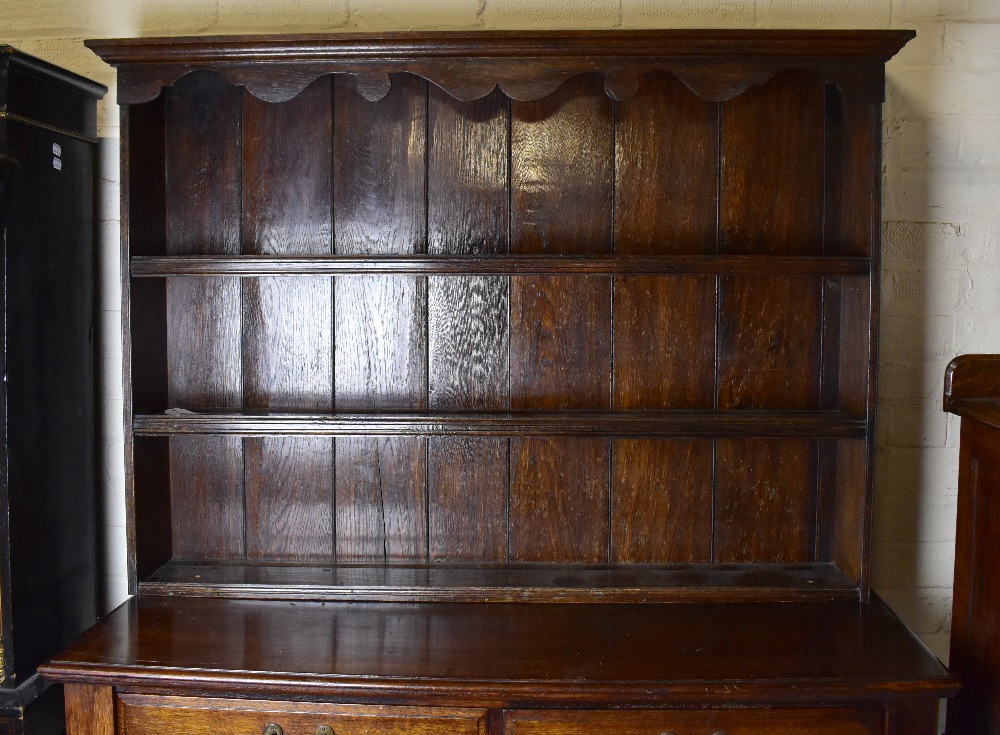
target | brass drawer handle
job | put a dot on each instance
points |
(324, 730)
(273, 729)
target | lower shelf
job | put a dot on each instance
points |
(507, 583)
(503, 655)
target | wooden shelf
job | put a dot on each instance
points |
(566, 423)
(503, 583)
(254, 265)
(498, 655)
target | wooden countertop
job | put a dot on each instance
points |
(508, 654)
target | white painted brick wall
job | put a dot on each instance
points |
(941, 276)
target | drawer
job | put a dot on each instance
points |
(818, 721)
(147, 715)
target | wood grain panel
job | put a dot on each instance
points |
(287, 191)
(560, 342)
(769, 343)
(661, 501)
(562, 157)
(289, 498)
(771, 199)
(381, 500)
(765, 503)
(468, 208)
(664, 342)
(666, 170)
(207, 515)
(144, 715)
(380, 359)
(203, 124)
(467, 499)
(90, 709)
(203, 166)
(858, 336)
(467, 214)
(379, 155)
(853, 145)
(844, 506)
(559, 500)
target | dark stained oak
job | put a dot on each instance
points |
(661, 501)
(442, 581)
(972, 391)
(771, 190)
(638, 655)
(561, 170)
(559, 500)
(765, 505)
(153, 266)
(90, 709)
(473, 351)
(664, 342)
(526, 423)
(774, 325)
(381, 499)
(666, 170)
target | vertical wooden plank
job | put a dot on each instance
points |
(203, 123)
(287, 323)
(203, 165)
(661, 501)
(772, 168)
(90, 709)
(289, 498)
(562, 159)
(560, 342)
(853, 154)
(666, 172)
(559, 500)
(380, 359)
(844, 510)
(381, 504)
(765, 504)
(467, 214)
(468, 350)
(562, 149)
(379, 168)
(664, 342)
(853, 350)
(207, 515)
(769, 342)
(467, 480)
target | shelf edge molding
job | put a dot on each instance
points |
(251, 266)
(607, 424)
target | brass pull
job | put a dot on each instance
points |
(324, 730)
(273, 729)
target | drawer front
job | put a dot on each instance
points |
(146, 715)
(818, 721)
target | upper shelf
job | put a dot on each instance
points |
(563, 423)
(250, 265)
(715, 64)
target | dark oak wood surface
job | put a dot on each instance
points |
(972, 390)
(493, 654)
(463, 322)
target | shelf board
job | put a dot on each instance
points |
(253, 265)
(566, 423)
(502, 583)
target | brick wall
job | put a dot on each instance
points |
(941, 205)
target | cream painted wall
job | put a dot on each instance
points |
(941, 206)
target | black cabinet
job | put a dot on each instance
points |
(47, 453)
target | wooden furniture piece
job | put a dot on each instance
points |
(972, 391)
(457, 361)
(48, 124)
